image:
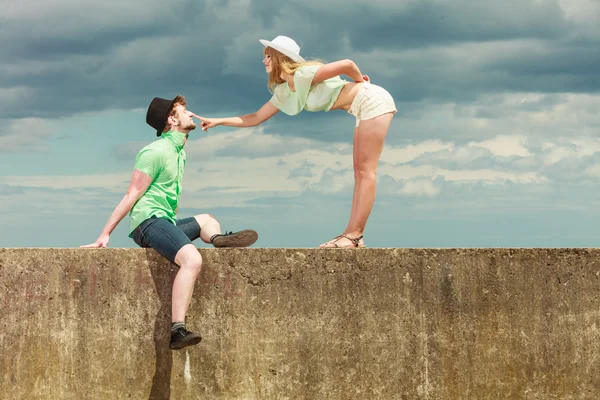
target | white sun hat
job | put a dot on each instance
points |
(285, 45)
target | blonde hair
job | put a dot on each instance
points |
(282, 63)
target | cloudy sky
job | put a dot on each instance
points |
(496, 142)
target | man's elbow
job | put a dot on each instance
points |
(132, 196)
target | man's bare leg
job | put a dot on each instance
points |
(189, 261)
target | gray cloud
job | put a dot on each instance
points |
(304, 171)
(27, 134)
(563, 163)
(78, 57)
(433, 23)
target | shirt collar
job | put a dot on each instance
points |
(175, 137)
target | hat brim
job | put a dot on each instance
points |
(295, 57)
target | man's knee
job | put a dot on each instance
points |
(189, 257)
(205, 218)
(194, 264)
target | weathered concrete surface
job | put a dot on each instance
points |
(303, 324)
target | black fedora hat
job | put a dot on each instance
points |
(158, 112)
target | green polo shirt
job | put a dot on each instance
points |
(162, 160)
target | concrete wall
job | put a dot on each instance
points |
(303, 324)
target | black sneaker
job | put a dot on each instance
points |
(243, 238)
(181, 338)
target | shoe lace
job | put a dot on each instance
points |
(181, 330)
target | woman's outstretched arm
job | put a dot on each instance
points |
(257, 118)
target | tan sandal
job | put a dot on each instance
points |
(355, 242)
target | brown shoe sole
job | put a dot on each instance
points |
(243, 238)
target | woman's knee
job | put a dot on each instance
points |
(365, 173)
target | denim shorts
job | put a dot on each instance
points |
(164, 237)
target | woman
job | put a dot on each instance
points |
(313, 86)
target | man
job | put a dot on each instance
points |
(152, 199)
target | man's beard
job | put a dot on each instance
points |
(191, 126)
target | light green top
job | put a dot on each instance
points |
(318, 97)
(162, 160)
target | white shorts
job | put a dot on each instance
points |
(371, 101)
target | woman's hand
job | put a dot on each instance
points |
(207, 123)
(366, 78)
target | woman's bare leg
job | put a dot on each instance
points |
(369, 139)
